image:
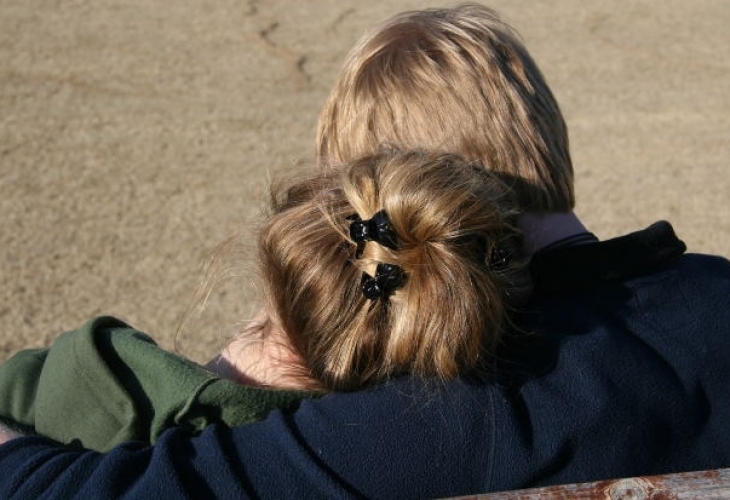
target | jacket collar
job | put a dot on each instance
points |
(577, 267)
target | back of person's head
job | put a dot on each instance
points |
(440, 307)
(452, 80)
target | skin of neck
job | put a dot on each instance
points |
(542, 229)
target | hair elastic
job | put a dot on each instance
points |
(377, 229)
(388, 278)
(499, 258)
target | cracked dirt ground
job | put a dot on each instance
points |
(134, 136)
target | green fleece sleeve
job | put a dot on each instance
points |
(19, 378)
(79, 391)
(106, 383)
(81, 397)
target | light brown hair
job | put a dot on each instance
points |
(452, 80)
(448, 214)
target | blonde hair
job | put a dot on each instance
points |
(452, 80)
(448, 214)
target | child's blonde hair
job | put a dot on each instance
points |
(454, 224)
(452, 80)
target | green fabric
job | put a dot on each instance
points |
(106, 383)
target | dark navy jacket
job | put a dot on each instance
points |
(624, 371)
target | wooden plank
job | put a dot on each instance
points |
(701, 485)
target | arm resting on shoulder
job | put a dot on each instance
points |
(384, 443)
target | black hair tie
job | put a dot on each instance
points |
(499, 258)
(388, 278)
(377, 229)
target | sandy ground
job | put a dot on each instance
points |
(136, 135)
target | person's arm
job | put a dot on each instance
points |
(399, 441)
